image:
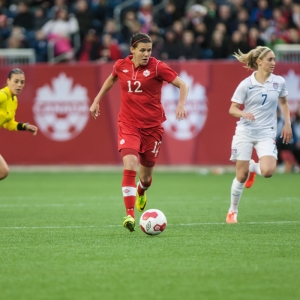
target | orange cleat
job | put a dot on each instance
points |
(231, 217)
(251, 178)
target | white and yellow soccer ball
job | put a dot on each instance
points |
(153, 222)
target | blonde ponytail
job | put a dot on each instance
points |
(249, 59)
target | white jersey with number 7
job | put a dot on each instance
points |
(261, 100)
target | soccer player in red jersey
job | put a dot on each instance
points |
(8, 107)
(140, 118)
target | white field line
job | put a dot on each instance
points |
(182, 224)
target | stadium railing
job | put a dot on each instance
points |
(17, 56)
(287, 52)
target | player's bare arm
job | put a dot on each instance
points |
(108, 84)
(286, 133)
(235, 111)
(184, 89)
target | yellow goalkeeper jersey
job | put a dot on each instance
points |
(8, 107)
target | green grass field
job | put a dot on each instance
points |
(61, 238)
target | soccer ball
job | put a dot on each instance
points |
(153, 222)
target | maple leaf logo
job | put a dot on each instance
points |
(196, 108)
(61, 110)
(292, 81)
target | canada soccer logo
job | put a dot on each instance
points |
(292, 81)
(61, 110)
(196, 108)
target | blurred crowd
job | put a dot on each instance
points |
(90, 30)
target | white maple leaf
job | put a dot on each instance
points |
(61, 110)
(196, 108)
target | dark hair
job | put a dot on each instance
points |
(139, 37)
(14, 71)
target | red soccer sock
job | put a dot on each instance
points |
(142, 187)
(129, 191)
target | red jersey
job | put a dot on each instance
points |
(141, 91)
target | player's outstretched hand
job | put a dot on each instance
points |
(32, 128)
(286, 134)
(95, 110)
(180, 112)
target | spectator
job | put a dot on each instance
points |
(165, 17)
(16, 39)
(202, 39)
(111, 28)
(285, 150)
(224, 16)
(253, 38)
(129, 23)
(242, 17)
(294, 37)
(144, 15)
(218, 45)
(172, 46)
(40, 18)
(84, 17)
(265, 29)
(89, 47)
(39, 44)
(157, 44)
(296, 15)
(237, 42)
(100, 14)
(109, 49)
(178, 29)
(59, 31)
(4, 29)
(58, 4)
(190, 49)
(24, 17)
(262, 11)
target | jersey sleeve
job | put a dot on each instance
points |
(11, 125)
(165, 73)
(240, 93)
(283, 92)
(115, 69)
(3, 96)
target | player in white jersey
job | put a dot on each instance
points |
(259, 94)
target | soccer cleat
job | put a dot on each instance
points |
(141, 201)
(129, 223)
(251, 177)
(231, 217)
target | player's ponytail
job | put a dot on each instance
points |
(139, 37)
(249, 59)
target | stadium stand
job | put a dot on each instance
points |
(99, 30)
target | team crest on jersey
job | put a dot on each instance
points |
(146, 73)
(275, 85)
(122, 142)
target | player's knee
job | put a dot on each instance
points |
(4, 171)
(267, 173)
(242, 176)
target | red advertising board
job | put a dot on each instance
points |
(57, 98)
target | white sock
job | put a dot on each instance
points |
(236, 194)
(255, 167)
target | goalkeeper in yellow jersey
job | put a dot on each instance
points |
(8, 107)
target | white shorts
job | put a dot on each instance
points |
(243, 143)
